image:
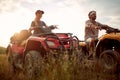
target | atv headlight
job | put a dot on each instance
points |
(50, 43)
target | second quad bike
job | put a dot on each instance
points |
(107, 50)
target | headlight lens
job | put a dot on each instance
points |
(50, 43)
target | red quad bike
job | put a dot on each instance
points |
(107, 51)
(37, 47)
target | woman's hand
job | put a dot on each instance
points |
(53, 26)
(32, 28)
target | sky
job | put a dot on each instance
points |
(69, 15)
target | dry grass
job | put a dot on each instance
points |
(63, 68)
(3, 66)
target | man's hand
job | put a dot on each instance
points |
(98, 27)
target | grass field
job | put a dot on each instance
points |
(63, 69)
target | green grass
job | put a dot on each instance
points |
(63, 68)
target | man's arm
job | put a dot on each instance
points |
(103, 26)
(87, 27)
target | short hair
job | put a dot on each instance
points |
(91, 12)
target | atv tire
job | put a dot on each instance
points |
(32, 65)
(109, 61)
(14, 63)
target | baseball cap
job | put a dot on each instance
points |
(38, 11)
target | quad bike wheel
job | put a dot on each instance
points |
(32, 64)
(14, 62)
(109, 61)
(11, 66)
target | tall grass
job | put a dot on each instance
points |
(64, 67)
(3, 67)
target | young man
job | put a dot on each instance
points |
(39, 26)
(92, 28)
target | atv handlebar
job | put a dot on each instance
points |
(110, 29)
(49, 27)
